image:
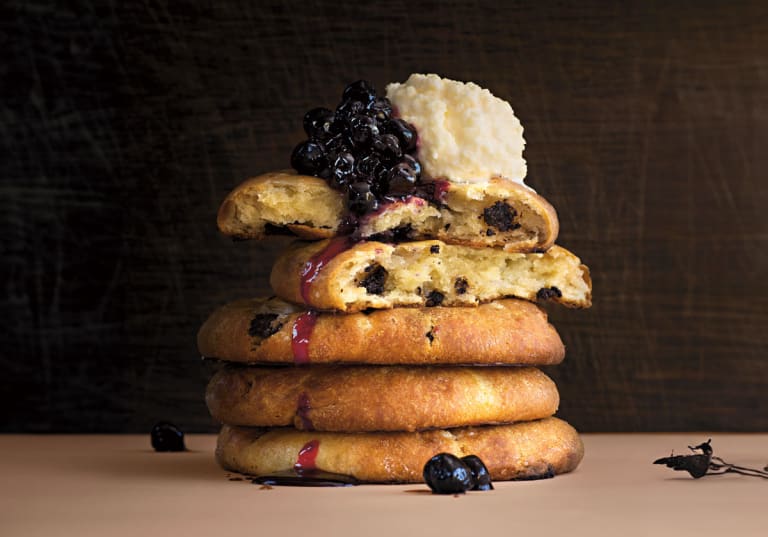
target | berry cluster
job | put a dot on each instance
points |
(360, 149)
(447, 474)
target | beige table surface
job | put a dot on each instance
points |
(116, 485)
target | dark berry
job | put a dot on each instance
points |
(405, 133)
(461, 285)
(547, 293)
(342, 169)
(370, 168)
(167, 437)
(414, 164)
(402, 180)
(447, 474)
(434, 249)
(434, 298)
(338, 143)
(479, 472)
(375, 277)
(501, 216)
(397, 234)
(381, 109)
(362, 91)
(346, 110)
(263, 325)
(317, 123)
(388, 147)
(430, 335)
(361, 200)
(325, 173)
(308, 158)
(362, 130)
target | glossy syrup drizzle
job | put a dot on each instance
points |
(300, 336)
(441, 187)
(306, 461)
(305, 472)
(312, 268)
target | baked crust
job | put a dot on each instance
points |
(526, 450)
(414, 271)
(379, 398)
(308, 207)
(506, 331)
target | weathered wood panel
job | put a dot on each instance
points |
(123, 126)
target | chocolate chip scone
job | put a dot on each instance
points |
(526, 450)
(385, 398)
(498, 213)
(340, 275)
(273, 331)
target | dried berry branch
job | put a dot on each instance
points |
(703, 462)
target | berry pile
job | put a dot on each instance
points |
(360, 149)
(447, 474)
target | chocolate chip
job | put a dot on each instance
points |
(374, 281)
(263, 325)
(461, 285)
(434, 249)
(546, 293)
(434, 298)
(501, 216)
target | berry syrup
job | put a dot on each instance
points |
(306, 461)
(305, 472)
(312, 268)
(441, 187)
(300, 336)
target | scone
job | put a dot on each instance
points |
(498, 213)
(379, 398)
(506, 331)
(339, 275)
(526, 450)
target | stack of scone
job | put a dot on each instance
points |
(398, 318)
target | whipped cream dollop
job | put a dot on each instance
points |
(466, 134)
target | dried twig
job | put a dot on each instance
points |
(703, 462)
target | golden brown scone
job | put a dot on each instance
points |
(303, 205)
(525, 450)
(506, 331)
(500, 213)
(379, 398)
(335, 275)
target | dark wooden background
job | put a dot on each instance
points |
(123, 125)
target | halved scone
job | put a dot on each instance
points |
(340, 275)
(499, 214)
